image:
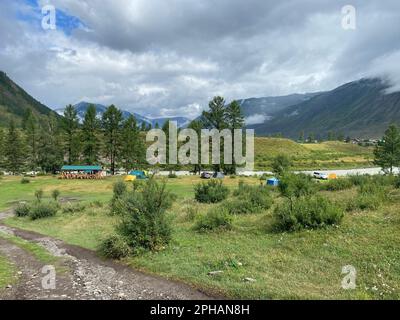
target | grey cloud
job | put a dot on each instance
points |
(165, 58)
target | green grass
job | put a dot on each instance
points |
(325, 155)
(302, 265)
(7, 273)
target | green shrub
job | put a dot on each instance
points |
(212, 191)
(39, 194)
(73, 207)
(337, 185)
(25, 181)
(249, 199)
(143, 216)
(397, 182)
(217, 218)
(281, 165)
(114, 247)
(55, 194)
(192, 211)
(296, 185)
(307, 213)
(119, 190)
(40, 210)
(22, 210)
(371, 196)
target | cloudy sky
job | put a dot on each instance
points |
(169, 57)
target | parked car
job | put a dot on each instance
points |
(321, 176)
(206, 175)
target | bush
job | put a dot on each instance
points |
(39, 194)
(40, 210)
(55, 194)
(307, 213)
(25, 181)
(143, 213)
(281, 165)
(217, 218)
(296, 185)
(22, 210)
(73, 207)
(172, 175)
(337, 185)
(114, 247)
(192, 211)
(250, 199)
(370, 196)
(212, 191)
(119, 190)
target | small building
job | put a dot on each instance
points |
(81, 172)
(273, 182)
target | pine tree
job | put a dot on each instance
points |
(197, 126)
(90, 136)
(31, 128)
(387, 152)
(111, 123)
(70, 126)
(215, 119)
(14, 150)
(234, 119)
(50, 152)
(133, 148)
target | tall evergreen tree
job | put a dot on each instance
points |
(111, 123)
(234, 119)
(50, 152)
(90, 136)
(14, 150)
(197, 126)
(133, 148)
(143, 126)
(387, 152)
(31, 129)
(70, 126)
(215, 119)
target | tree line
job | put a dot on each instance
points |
(46, 143)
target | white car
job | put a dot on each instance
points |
(321, 176)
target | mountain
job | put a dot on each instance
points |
(259, 110)
(82, 107)
(358, 109)
(15, 102)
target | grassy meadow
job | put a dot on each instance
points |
(257, 261)
(312, 156)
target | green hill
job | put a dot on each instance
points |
(325, 155)
(14, 102)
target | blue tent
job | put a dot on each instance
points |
(273, 182)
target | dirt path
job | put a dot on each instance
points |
(84, 275)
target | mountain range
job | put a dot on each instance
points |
(359, 109)
(15, 102)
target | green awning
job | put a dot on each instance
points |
(81, 168)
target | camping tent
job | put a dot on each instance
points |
(273, 182)
(139, 174)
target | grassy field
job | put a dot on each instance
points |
(325, 155)
(304, 264)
